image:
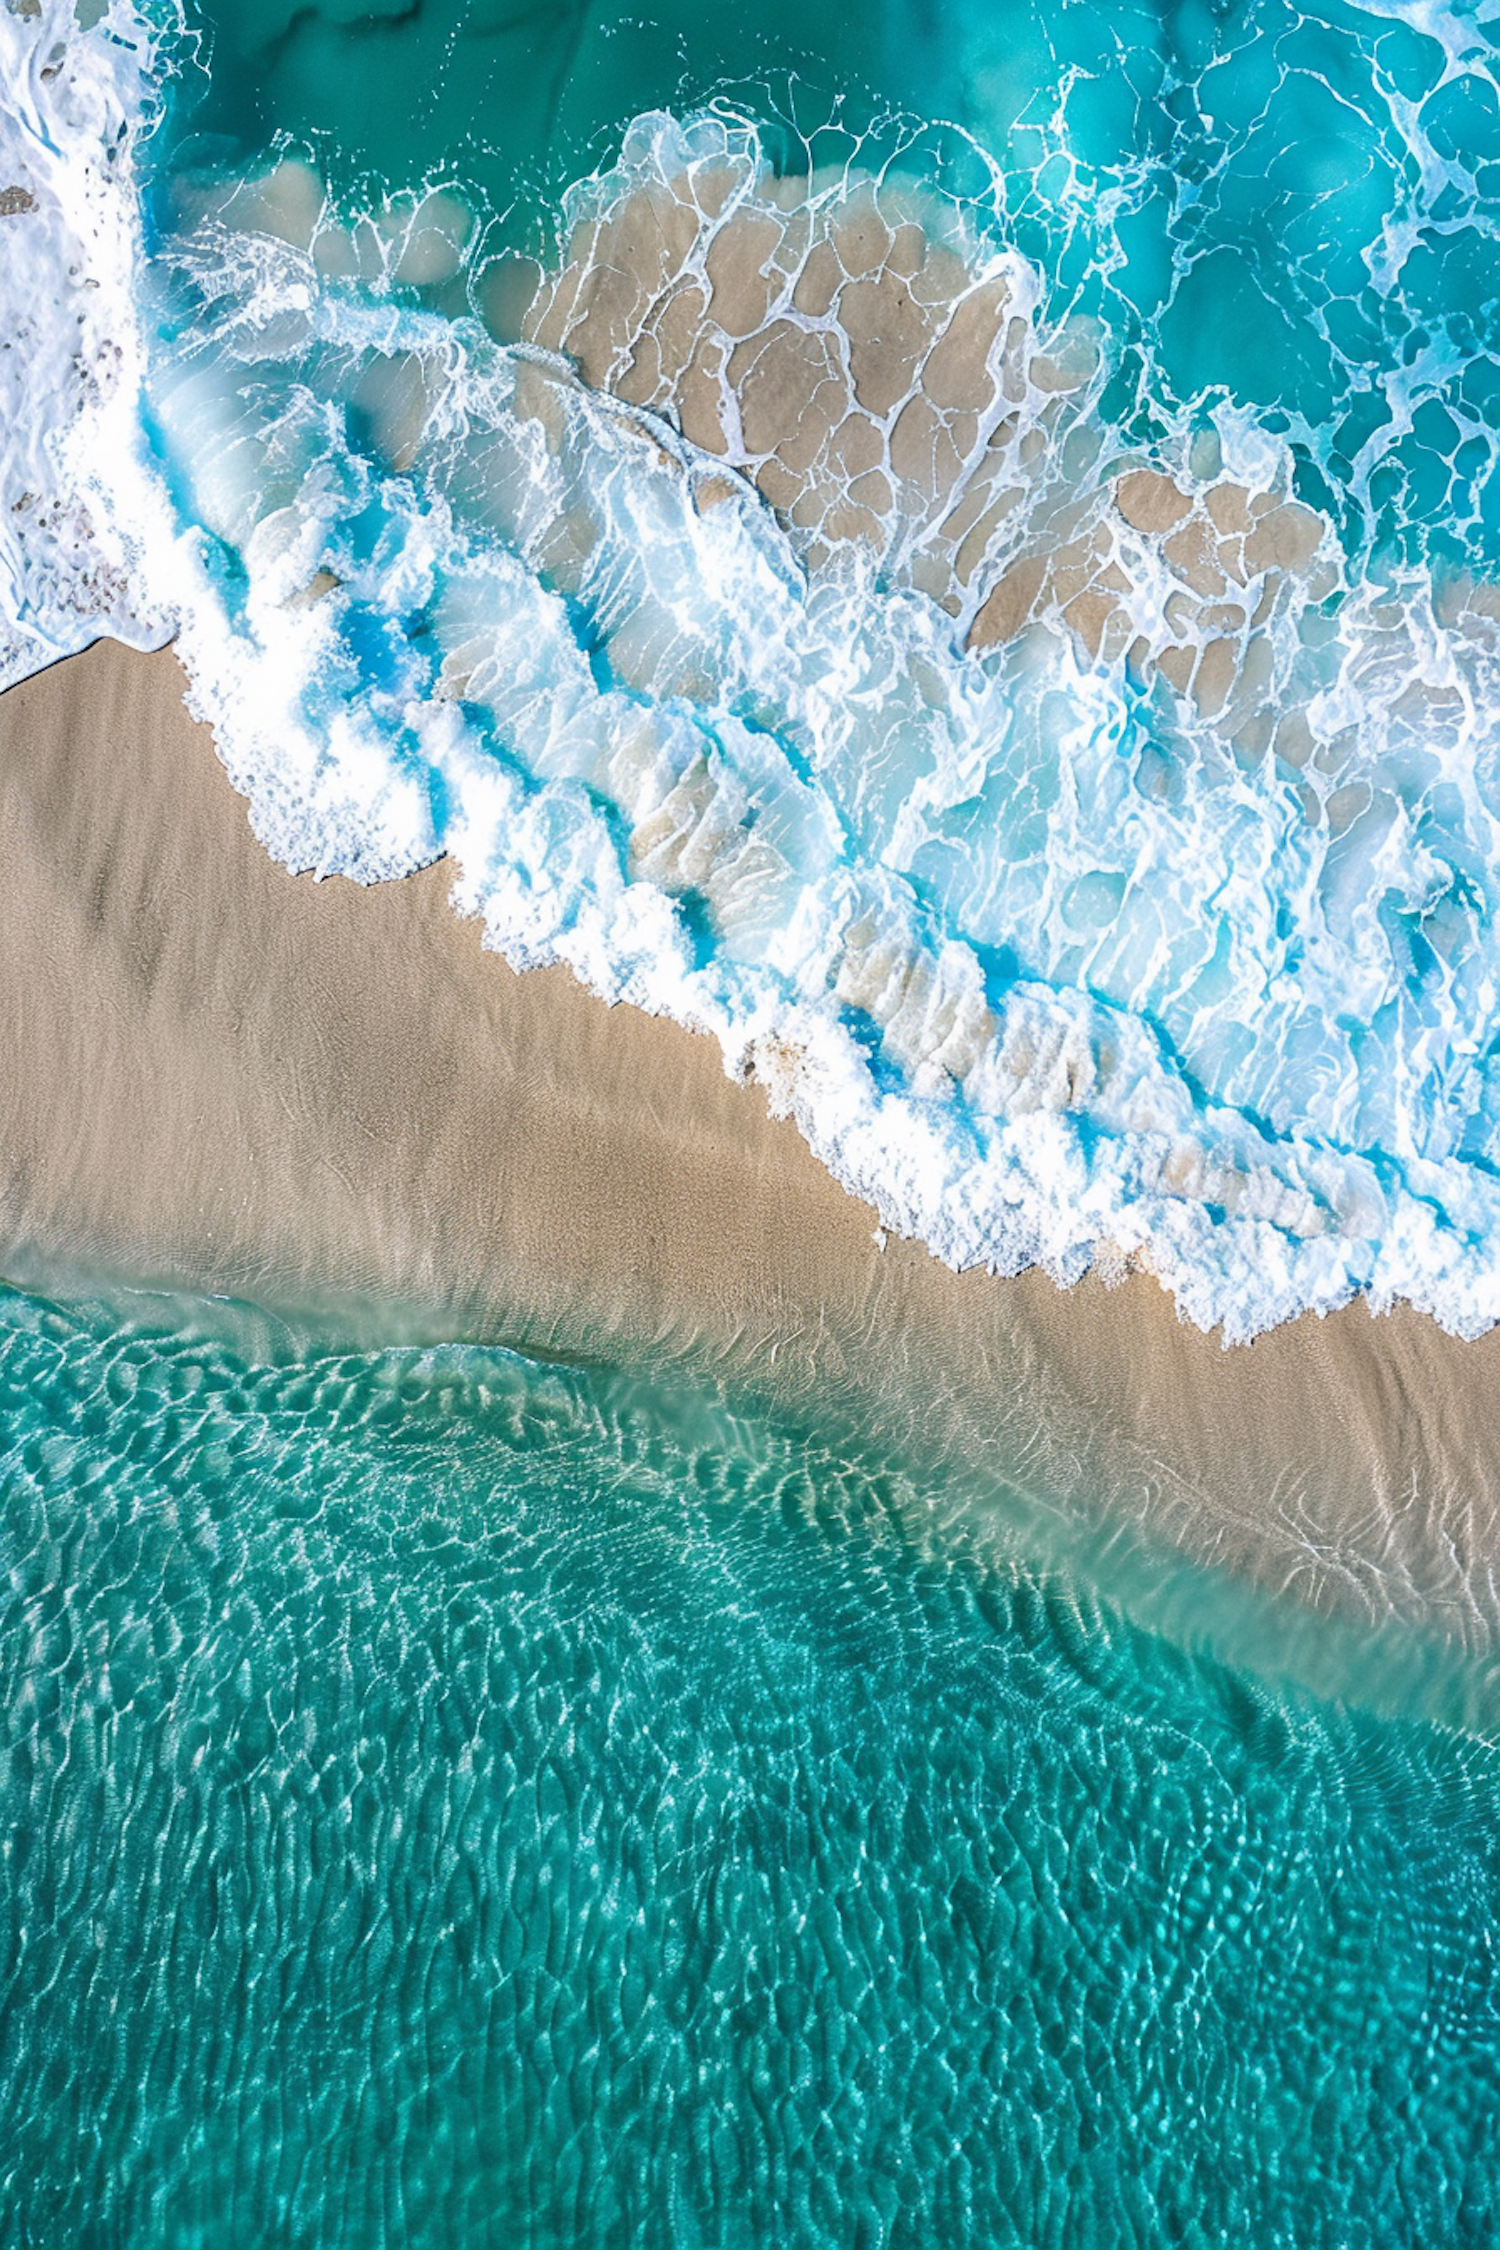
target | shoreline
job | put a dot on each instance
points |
(225, 1079)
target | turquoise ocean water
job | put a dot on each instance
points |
(449, 1800)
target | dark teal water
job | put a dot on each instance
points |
(450, 1801)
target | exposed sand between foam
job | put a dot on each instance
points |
(223, 1078)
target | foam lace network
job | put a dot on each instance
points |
(763, 610)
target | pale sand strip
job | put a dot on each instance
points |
(218, 1076)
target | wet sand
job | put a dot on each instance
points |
(219, 1077)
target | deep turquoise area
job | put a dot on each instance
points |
(452, 1801)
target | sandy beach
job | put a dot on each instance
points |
(221, 1078)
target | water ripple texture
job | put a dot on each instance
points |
(450, 1801)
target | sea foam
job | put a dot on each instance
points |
(71, 105)
(769, 619)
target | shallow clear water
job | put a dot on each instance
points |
(1251, 154)
(449, 1800)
